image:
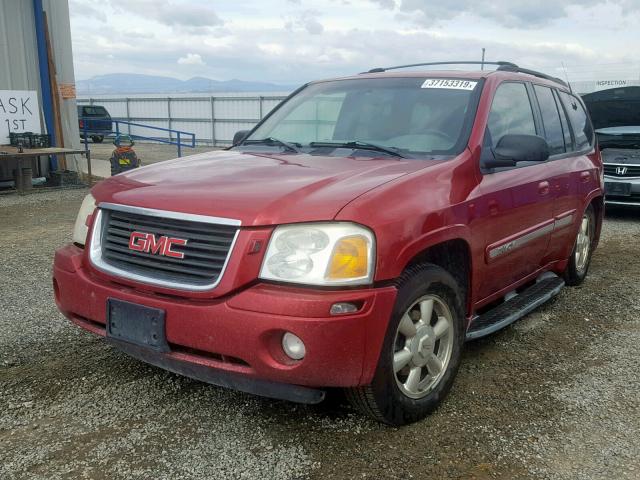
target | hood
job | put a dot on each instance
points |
(257, 189)
(616, 107)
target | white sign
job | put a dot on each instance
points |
(449, 83)
(19, 112)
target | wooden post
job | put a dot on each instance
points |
(55, 94)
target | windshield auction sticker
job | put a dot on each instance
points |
(449, 83)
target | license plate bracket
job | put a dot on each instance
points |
(137, 324)
(618, 189)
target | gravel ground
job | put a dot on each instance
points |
(555, 396)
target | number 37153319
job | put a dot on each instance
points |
(449, 83)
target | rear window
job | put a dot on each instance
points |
(94, 112)
(580, 124)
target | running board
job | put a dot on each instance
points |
(516, 306)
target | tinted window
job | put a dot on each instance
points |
(404, 113)
(510, 112)
(568, 136)
(580, 124)
(550, 120)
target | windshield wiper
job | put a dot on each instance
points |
(294, 147)
(394, 151)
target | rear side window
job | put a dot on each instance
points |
(566, 130)
(580, 124)
(550, 119)
(511, 113)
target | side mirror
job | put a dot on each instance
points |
(512, 149)
(240, 136)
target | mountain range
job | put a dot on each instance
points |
(117, 83)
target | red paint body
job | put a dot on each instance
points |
(410, 205)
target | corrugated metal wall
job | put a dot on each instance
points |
(213, 119)
(19, 60)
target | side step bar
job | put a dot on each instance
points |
(516, 306)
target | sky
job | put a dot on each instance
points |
(290, 42)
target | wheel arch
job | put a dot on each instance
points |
(454, 256)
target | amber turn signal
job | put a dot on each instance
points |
(350, 258)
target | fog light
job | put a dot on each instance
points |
(293, 346)
(343, 307)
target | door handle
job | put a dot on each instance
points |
(585, 177)
(543, 188)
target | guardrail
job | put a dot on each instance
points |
(178, 134)
(213, 119)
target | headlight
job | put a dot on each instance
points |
(80, 229)
(325, 254)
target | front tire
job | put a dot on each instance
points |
(580, 259)
(421, 351)
(97, 138)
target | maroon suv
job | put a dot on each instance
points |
(355, 238)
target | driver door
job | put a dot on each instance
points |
(516, 203)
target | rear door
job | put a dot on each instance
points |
(557, 131)
(575, 175)
(516, 203)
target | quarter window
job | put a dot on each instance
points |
(582, 129)
(511, 113)
(550, 119)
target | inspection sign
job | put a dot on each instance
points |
(19, 112)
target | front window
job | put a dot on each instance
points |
(414, 117)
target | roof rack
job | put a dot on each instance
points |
(502, 66)
(466, 62)
(515, 68)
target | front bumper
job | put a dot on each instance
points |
(612, 189)
(235, 341)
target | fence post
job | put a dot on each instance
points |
(169, 116)
(260, 99)
(179, 145)
(213, 121)
(128, 116)
(91, 101)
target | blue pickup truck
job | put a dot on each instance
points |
(95, 122)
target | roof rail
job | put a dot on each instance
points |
(465, 62)
(502, 66)
(515, 68)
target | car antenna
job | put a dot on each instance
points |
(566, 76)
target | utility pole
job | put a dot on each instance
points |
(482, 64)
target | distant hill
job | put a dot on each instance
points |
(117, 83)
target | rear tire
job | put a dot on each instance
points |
(421, 351)
(580, 259)
(97, 138)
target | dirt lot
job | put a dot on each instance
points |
(148, 152)
(557, 395)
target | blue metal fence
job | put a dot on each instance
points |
(175, 137)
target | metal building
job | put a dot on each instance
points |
(25, 66)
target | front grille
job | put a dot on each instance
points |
(628, 170)
(207, 248)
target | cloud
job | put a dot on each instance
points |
(280, 42)
(307, 20)
(191, 59)
(169, 13)
(508, 13)
(87, 9)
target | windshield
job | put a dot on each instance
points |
(410, 116)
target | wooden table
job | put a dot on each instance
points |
(12, 153)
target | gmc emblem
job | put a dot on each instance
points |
(148, 243)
